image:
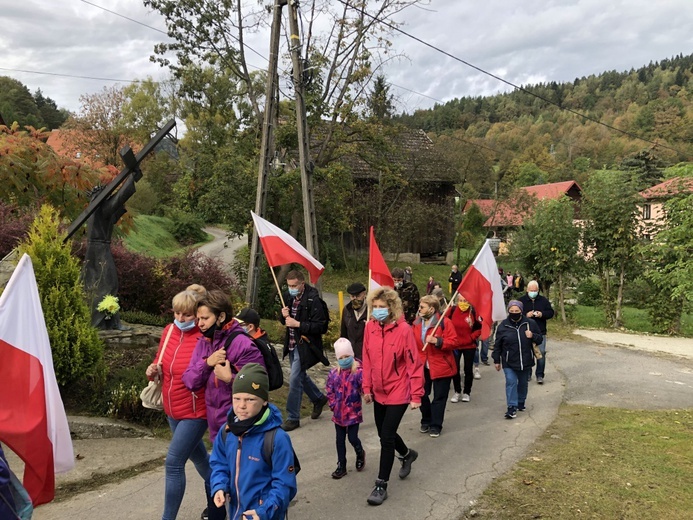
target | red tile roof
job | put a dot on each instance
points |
(486, 206)
(669, 188)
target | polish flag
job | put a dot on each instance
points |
(481, 286)
(32, 417)
(379, 273)
(281, 248)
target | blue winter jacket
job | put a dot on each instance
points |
(239, 469)
(513, 347)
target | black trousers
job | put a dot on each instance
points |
(352, 431)
(387, 419)
(433, 412)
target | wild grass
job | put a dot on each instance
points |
(151, 236)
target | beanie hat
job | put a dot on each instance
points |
(517, 303)
(342, 347)
(252, 379)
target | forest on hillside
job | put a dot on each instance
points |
(533, 135)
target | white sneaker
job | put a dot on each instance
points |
(456, 398)
(477, 374)
(465, 398)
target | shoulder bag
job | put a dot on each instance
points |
(151, 395)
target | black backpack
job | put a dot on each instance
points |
(268, 448)
(269, 356)
(326, 312)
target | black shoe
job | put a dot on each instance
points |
(424, 428)
(361, 460)
(511, 413)
(290, 425)
(340, 472)
(540, 380)
(204, 515)
(407, 462)
(318, 406)
(520, 407)
(379, 493)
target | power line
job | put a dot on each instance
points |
(517, 87)
(72, 75)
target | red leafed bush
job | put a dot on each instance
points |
(14, 224)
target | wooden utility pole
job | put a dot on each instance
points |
(267, 148)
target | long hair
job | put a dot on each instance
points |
(391, 299)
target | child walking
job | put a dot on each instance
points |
(344, 390)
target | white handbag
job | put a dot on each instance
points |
(151, 395)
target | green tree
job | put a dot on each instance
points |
(51, 115)
(380, 103)
(547, 244)
(74, 342)
(610, 209)
(17, 104)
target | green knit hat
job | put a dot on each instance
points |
(252, 379)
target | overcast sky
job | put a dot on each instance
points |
(523, 41)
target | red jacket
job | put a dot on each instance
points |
(467, 327)
(179, 402)
(440, 359)
(392, 371)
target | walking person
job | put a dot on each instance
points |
(354, 317)
(468, 330)
(436, 353)
(538, 308)
(408, 294)
(344, 389)
(455, 279)
(392, 381)
(305, 323)
(513, 352)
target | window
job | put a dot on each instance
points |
(647, 212)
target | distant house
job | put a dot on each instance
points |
(652, 215)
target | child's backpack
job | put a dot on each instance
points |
(268, 448)
(269, 356)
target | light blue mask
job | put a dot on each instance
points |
(293, 292)
(184, 326)
(345, 363)
(380, 314)
(533, 294)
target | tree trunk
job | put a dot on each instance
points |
(561, 297)
(618, 320)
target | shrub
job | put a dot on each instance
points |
(589, 292)
(186, 228)
(14, 225)
(145, 318)
(76, 346)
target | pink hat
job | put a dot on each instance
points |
(342, 347)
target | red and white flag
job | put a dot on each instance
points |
(379, 272)
(32, 417)
(481, 286)
(281, 248)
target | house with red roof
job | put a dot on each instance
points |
(652, 213)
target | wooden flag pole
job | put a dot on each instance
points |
(368, 309)
(278, 288)
(442, 314)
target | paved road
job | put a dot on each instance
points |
(476, 446)
(222, 247)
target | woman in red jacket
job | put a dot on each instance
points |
(392, 380)
(185, 410)
(468, 330)
(435, 350)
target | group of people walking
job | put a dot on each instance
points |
(392, 356)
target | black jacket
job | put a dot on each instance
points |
(455, 279)
(512, 348)
(541, 304)
(352, 329)
(313, 321)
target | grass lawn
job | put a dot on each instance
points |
(150, 236)
(636, 320)
(600, 463)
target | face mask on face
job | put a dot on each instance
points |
(515, 316)
(398, 285)
(356, 304)
(209, 333)
(463, 306)
(380, 314)
(184, 325)
(246, 329)
(533, 294)
(345, 363)
(293, 292)
(428, 314)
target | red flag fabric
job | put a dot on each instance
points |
(380, 273)
(281, 248)
(32, 416)
(482, 288)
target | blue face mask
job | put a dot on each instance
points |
(380, 314)
(293, 292)
(345, 363)
(533, 294)
(184, 325)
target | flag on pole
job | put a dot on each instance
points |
(481, 286)
(281, 248)
(32, 417)
(379, 272)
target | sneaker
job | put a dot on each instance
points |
(407, 461)
(290, 425)
(521, 407)
(511, 413)
(435, 434)
(540, 380)
(477, 374)
(318, 406)
(486, 363)
(466, 398)
(361, 460)
(340, 472)
(205, 514)
(424, 428)
(455, 398)
(379, 493)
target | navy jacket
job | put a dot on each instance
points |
(541, 304)
(513, 349)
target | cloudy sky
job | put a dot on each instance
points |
(523, 41)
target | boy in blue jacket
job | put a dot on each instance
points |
(256, 489)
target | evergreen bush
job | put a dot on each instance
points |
(186, 228)
(76, 347)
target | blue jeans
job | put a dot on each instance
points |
(483, 346)
(299, 382)
(541, 363)
(186, 443)
(516, 383)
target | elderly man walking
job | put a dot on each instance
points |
(538, 308)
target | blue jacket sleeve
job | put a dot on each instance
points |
(198, 371)
(283, 485)
(220, 478)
